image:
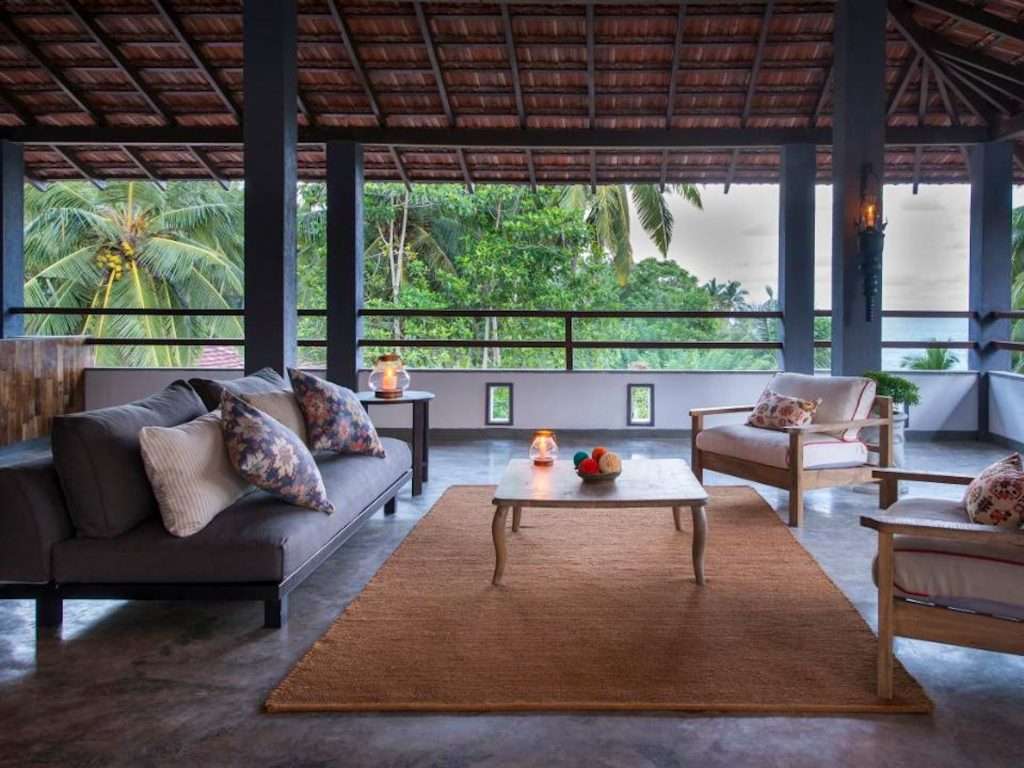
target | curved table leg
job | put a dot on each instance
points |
(677, 516)
(498, 534)
(517, 513)
(700, 535)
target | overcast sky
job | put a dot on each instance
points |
(735, 237)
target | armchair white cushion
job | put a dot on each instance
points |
(986, 578)
(843, 398)
(771, 447)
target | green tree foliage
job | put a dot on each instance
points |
(933, 359)
(132, 245)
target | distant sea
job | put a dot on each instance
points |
(922, 329)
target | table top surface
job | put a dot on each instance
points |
(643, 482)
(409, 396)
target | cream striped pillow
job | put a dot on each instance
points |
(190, 472)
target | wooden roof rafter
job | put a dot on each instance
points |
(673, 78)
(591, 90)
(996, 25)
(755, 72)
(517, 88)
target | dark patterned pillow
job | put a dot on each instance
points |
(335, 419)
(271, 456)
(996, 496)
(775, 411)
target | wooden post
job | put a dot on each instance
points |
(12, 233)
(696, 427)
(858, 141)
(269, 132)
(344, 261)
(796, 479)
(990, 263)
(888, 488)
(885, 606)
(796, 255)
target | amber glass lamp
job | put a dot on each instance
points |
(543, 449)
(389, 379)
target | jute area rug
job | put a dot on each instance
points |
(598, 610)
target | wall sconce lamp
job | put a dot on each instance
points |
(870, 239)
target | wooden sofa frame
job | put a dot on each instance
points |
(50, 597)
(901, 617)
(796, 479)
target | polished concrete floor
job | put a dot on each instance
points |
(147, 684)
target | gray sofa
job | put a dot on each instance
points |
(82, 523)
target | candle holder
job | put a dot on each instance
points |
(389, 379)
(544, 448)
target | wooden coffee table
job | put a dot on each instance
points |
(643, 483)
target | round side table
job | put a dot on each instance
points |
(420, 402)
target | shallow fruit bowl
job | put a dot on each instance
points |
(598, 478)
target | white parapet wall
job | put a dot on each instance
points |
(581, 399)
(1006, 407)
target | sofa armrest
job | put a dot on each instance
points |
(945, 529)
(839, 426)
(923, 477)
(32, 519)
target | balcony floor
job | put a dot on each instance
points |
(151, 684)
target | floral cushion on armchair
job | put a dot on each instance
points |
(271, 456)
(775, 411)
(335, 419)
(996, 496)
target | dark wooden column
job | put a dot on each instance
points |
(990, 262)
(344, 261)
(269, 132)
(12, 234)
(796, 255)
(858, 140)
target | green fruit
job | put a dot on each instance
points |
(580, 456)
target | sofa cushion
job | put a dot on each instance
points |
(271, 456)
(988, 578)
(775, 411)
(258, 538)
(99, 461)
(335, 419)
(282, 406)
(211, 390)
(766, 446)
(843, 398)
(190, 472)
(996, 495)
(32, 519)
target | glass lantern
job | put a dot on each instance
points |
(389, 379)
(543, 449)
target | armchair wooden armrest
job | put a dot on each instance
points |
(839, 426)
(944, 529)
(717, 411)
(923, 477)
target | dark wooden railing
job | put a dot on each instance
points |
(568, 342)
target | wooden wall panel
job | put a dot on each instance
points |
(40, 378)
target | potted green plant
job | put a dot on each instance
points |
(904, 393)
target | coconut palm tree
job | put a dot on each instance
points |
(131, 245)
(933, 359)
(607, 212)
(728, 296)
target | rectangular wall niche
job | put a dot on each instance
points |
(498, 405)
(640, 405)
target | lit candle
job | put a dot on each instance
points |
(389, 380)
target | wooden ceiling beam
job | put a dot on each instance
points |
(922, 110)
(642, 139)
(903, 82)
(208, 166)
(355, 61)
(673, 74)
(109, 46)
(400, 167)
(925, 43)
(988, 21)
(80, 169)
(591, 64)
(174, 22)
(40, 60)
(1010, 129)
(517, 89)
(428, 43)
(137, 158)
(755, 72)
(969, 80)
(819, 103)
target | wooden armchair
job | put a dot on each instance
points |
(942, 578)
(799, 459)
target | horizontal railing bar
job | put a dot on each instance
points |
(930, 344)
(128, 311)
(1013, 346)
(537, 344)
(958, 314)
(581, 314)
(122, 341)
(1008, 315)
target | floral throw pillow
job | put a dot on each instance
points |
(775, 411)
(335, 419)
(271, 456)
(996, 496)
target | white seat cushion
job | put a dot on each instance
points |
(768, 446)
(843, 398)
(987, 578)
